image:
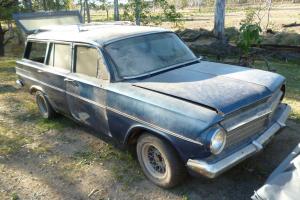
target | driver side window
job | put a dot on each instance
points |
(88, 61)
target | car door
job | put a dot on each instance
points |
(42, 73)
(85, 95)
(58, 66)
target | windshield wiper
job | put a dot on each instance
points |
(184, 64)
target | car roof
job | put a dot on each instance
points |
(99, 34)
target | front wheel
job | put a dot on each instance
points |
(159, 161)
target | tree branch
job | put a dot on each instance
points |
(7, 40)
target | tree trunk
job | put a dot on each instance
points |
(44, 5)
(2, 33)
(81, 7)
(137, 12)
(116, 10)
(88, 11)
(219, 19)
(28, 5)
(107, 14)
(269, 4)
(57, 5)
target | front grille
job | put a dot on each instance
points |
(247, 131)
(250, 123)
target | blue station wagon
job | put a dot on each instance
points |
(145, 89)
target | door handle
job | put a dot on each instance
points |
(71, 81)
(40, 71)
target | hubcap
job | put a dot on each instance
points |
(42, 104)
(154, 161)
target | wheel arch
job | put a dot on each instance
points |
(34, 88)
(137, 130)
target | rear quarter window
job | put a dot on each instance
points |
(36, 51)
(60, 56)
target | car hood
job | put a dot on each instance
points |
(220, 87)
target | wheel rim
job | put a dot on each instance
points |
(154, 161)
(41, 104)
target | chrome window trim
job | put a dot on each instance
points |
(134, 35)
(37, 41)
(106, 68)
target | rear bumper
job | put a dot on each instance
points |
(19, 83)
(211, 170)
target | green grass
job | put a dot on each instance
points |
(14, 196)
(11, 141)
(21, 114)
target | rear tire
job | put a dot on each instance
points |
(159, 161)
(44, 106)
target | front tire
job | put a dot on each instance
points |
(159, 161)
(44, 106)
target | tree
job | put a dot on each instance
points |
(116, 10)
(219, 22)
(141, 11)
(28, 5)
(87, 7)
(105, 6)
(7, 7)
(137, 12)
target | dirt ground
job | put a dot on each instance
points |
(58, 159)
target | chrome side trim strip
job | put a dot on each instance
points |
(154, 126)
(211, 170)
(43, 83)
(116, 111)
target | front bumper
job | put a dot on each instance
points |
(211, 170)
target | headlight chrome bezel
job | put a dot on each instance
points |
(220, 148)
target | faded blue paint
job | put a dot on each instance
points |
(226, 90)
(180, 105)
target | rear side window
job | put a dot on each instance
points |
(36, 51)
(86, 61)
(60, 56)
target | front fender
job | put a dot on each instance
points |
(185, 149)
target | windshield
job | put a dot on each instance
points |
(139, 55)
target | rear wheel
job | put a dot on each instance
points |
(44, 106)
(159, 161)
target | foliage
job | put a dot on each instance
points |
(104, 5)
(52, 4)
(7, 7)
(130, 12)
(144, 10)
(258, 13)
(249, 35)
(170, 12)
(250, 16)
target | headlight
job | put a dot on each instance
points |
(217, 141)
